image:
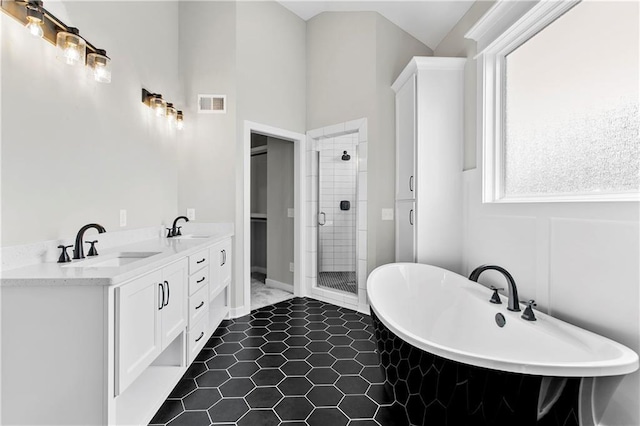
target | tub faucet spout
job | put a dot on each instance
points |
(513, 304)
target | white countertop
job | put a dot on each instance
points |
(60, 274)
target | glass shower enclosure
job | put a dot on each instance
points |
(337, 213)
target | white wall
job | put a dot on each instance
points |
(352, 60)
(579, 261)
(75, 151)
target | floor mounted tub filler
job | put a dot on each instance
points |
(452, 358)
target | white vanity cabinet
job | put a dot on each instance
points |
(429, 139)
(108, 346)
(151, 311)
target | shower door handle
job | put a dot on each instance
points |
(324, 219)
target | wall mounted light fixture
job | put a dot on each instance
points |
(72, 48)
(162, 108)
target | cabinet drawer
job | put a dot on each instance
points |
(198, 280)
(197, 337)
(198, 261)
(198, 306)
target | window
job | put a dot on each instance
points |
(561, 105)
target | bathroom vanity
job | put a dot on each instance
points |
(104, 340)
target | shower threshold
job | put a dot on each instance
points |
(341, 280)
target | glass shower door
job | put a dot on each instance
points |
(337, 215)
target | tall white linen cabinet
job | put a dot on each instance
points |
(429, 141)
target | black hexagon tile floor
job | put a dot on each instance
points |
(299, 362)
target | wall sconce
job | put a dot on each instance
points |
(162, 108)
(72, 48)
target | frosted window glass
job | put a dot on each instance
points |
(571, 105)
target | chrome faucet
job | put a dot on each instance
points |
(514, 304)
(174, 231)
(78, 250)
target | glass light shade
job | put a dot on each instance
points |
(101, 66)
(72, 48)
(171, 114)
(35, 27)
(179, 120)
(158, 105)
(35, 19)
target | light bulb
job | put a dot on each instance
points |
(179, 121)
(35, 27)
(101, 66)
(71, 47)
(171, 114)
(158, 105)
(35, 16)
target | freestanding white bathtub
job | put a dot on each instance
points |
(446, 358)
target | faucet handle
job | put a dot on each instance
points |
(64, 256)
(528, 312)
(178, 233)
(169, 233)
(495, 297)
(92, 249)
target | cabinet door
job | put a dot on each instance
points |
(406, 140)
(220, 274)
(405, 231)
(174, 311)
(138, 338)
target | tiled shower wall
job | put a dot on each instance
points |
(337, 182)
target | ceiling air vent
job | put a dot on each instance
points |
(212, 104)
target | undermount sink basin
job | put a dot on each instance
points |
(113, 260)
(192, 236)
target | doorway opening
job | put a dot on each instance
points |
(272, 220)
(242, 300)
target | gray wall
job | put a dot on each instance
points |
(352, 60)
(76, 151)
(280, 229)
(258, 205)
(253, 52)
(208, 151)
(454, 44)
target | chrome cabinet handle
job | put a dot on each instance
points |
(411, 183)
(200, 280)
(200, 337)
(200, 261)
(168, 294)
(324, 219)
(161, 301)
(222, 259)
(411, 216)
(200, 305)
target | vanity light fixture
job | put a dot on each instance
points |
(100, 63)
(180, 121)
(163, 108)
(72, 48)
(35, 18)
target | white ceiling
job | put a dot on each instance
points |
(427, 20)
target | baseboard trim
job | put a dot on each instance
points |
(238, 312)
(279, 285)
